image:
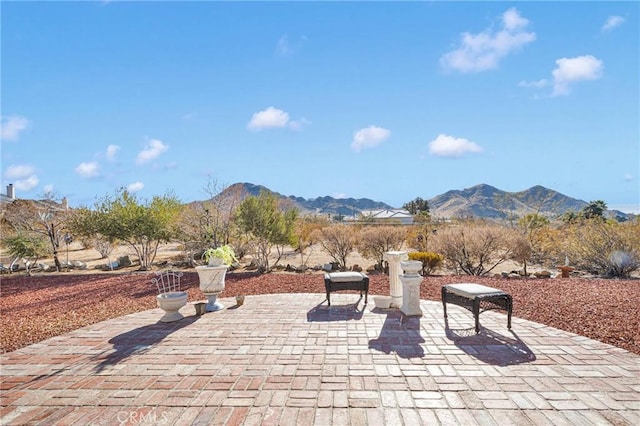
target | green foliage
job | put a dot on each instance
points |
(142, 225)
(225, 253)
(430, 261)
(26, 245)
(417, 207)
(595, 209)
(266, 226)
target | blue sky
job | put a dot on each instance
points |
(384, 100)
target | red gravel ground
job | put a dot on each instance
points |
(35, 308)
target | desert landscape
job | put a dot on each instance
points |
(47, 304)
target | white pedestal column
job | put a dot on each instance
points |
(411, 280)
(395, 287)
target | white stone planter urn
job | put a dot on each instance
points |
(171, 303)
(212, 284)
(411, 280)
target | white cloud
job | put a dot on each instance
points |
(112, 151)
(88, 170)
(612, 22)
(18, 172)
(268, 118)
(340, 196)
(27, 184)
(48, 189)
(22, 176)
(369, 137)
(153, 149)
(449, 146)
(483, 51)
(299, 124)
(12, 126)
(284, 47)
(534, 84)
(573, 70)
(135, 186)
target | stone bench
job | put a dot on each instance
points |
(337, 281)
(477, 298)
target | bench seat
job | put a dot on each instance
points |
(477, 298)
(337, 281)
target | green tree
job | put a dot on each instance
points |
(417, 207)
(594, 210)
(266, 225)
(29, 245)
(143, 225)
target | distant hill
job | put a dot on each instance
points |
(482, 201)
(321, 205)
(489, 202)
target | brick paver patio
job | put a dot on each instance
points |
(288, 359)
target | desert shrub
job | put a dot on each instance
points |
(475, 247)
(338, 241)
(521, 250)
(430, 261)
(374, 241)
(609, 249)
(420, 236)
(551, 248)
(103, 246)
(305, 234)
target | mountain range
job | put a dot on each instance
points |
(481, 201)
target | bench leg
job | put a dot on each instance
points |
(476, 314)
(444, 301)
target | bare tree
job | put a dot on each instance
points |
(45, 217)
(338, 241)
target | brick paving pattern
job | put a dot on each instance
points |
(288, 359)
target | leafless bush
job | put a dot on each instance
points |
(374, 241)
(338, 241)
(474, 248)
(103, 246)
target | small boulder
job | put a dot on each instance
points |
(542, 274)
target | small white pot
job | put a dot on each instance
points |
(171, 303)
(382, 302)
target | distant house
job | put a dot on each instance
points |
(387, 215)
